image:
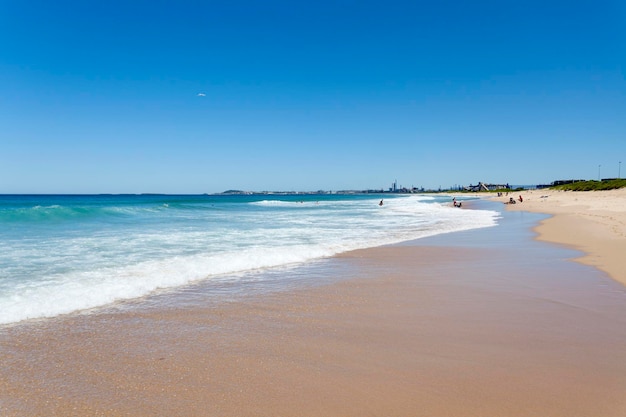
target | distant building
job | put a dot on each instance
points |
(481, 186)
(563, 182)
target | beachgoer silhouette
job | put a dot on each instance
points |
(381, 203)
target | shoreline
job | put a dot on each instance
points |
(456, 324)
(593, 222)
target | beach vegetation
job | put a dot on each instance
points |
(593, 185)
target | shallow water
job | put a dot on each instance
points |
(60, 254)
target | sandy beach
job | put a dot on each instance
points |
(591, 221)
(488, 322)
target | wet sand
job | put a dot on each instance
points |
(592, 221)
(481, 323)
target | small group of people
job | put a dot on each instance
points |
(512, 201)
(456, 203)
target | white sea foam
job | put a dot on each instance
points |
(62, 269)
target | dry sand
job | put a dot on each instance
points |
(591, 221)
(481, 323)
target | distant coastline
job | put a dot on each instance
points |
(480, 187)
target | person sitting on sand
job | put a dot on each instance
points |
(511, 201)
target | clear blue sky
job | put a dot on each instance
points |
(193, 97)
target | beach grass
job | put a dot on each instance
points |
(593, 185)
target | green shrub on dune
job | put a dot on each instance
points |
(609, 184)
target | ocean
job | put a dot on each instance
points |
(61, 254)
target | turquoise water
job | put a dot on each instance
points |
(60, 254)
